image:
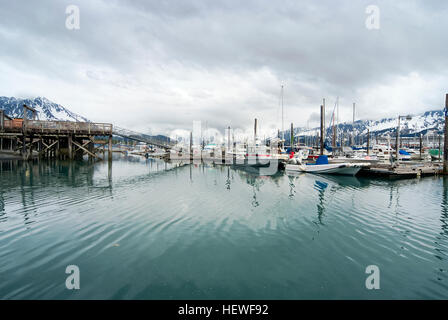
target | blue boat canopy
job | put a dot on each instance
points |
(323, 159)
(404, 152)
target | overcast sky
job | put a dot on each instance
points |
(158, 65)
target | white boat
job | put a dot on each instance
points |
(258, 155)
(383, 152)
(356, 158)
(301, 155)
(236, 154)
(322, 166)
(415, 154)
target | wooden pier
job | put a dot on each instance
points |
(29, 138)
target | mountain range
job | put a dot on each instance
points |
(49, 110)
(432, 121)
(428, 122)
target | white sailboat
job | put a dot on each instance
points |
(322, 166)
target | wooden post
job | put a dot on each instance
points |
(24, 146)
(90, 148)
(110, 148)
(24, 118)
(2, 119)
(368, 141)
(439, 146)
(322, 115)
(70, 146)
(445, 144)
(228, 138)
(398, 137)
(191, 144)
(58, 149)
(292, 136)
(421, 146)
(255, 131)
(30, 155)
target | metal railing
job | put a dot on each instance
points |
(69, 126)
(137, 136)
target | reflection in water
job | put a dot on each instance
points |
(213, 231)
(228, 178)
(441, 251)
(444, 216)
(321, 187)
(252, 177)
(291, 186)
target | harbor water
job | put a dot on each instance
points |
(145, 229)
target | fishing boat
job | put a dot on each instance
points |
(356, 157)
(417, 155)
(322, 166)
(258, 155)
(209, 150)
(236, 153)
(403, 155)
(383, 152)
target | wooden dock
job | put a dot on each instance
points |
(29, 138)
(402, 170)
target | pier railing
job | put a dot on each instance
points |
(57, 127)
(137, 136)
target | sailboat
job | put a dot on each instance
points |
(322, 166)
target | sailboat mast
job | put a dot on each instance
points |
(353, 125)
(334, 132)
(283, 129)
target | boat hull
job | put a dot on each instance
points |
(342, 169)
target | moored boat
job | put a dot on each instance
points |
(323, 167)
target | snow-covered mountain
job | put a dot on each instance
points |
(46, 109)
(433, 121)
(421, 123)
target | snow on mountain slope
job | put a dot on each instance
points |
(421, 123)
(46, 109)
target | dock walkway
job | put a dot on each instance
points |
(402, 170)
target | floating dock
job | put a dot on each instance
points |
(402, 170)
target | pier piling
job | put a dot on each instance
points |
(322, 129)
(445, 144)
(421, 146)
(368, 141)
(292, 135)
(109, 153)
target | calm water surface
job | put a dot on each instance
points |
(145, 229)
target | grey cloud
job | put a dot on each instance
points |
(161, 53)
